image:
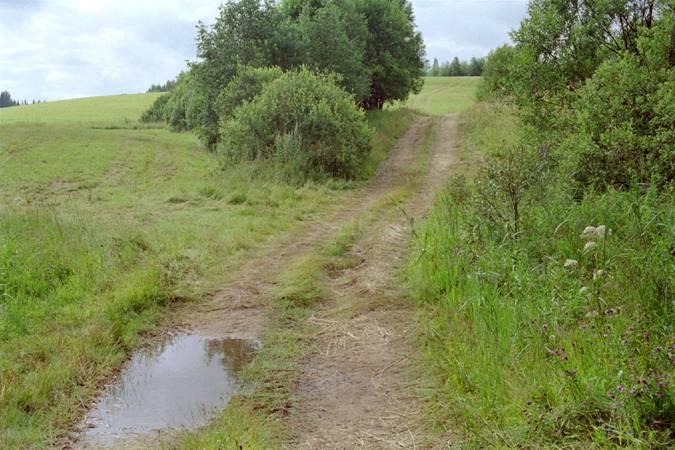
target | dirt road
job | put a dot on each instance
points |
(357, 388)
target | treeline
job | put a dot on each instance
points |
(550, 281)
(166, 87)
(369, 49)
(457, 68)
(6, 100)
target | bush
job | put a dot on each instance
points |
(303, 120)
(157, 112)
(244, 87)
(625, 115)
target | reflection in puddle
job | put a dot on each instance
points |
(178, 384)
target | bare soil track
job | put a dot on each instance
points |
(357, 387)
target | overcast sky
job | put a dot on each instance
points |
(54, 49)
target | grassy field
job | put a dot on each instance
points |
(442, 95)
(103, 225)
(117, 108)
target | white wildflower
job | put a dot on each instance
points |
(600, 232)
(571, 264)
(598, 274)
(590, 246)
(583, 290)
(589, 233)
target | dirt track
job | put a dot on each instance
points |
(358, 386)
(357, 389)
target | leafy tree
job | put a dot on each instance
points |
(455, 68)
(333, 39)
(561, 43)
(394, 51)
(243, 34)
(496, 81)
(166, 87)
(6, 100)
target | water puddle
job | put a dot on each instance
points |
(178, 384)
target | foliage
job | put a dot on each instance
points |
(496, 81)
(596, 78)
(303, 120)
(625, 115)
(157, 112)
(394, 51)
(333, 40)
(6, 100)
(244, 87)
(560, 335)
(457, 68)
(166, 87)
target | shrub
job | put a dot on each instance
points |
(304, 121)
(625, 115)
(157, 112)
(244, 87)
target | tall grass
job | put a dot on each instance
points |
(545, 339)
(71, 304)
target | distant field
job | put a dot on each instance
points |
(442, 95)
(91, 109)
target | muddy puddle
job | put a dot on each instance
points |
(178, 384)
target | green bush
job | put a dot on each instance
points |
(157, 112)
(244, 87)
(304, 121)
(625, 116)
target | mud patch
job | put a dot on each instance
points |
(178, 384)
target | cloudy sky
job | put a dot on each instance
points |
(54, 49)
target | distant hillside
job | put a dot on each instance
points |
(111, 108)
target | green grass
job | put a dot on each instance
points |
(525, 352)
(443, 95)
(117, 108)
(103, 224)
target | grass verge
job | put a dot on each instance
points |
(558, 336)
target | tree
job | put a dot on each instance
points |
(561, 43)
(394, 51)
(496, 81)
(6, 100)
(455, 69)
(333, 39)
(244, 34)
(435, 69)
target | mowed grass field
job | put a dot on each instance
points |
(442, 95)
(115, 108)
(104, 224)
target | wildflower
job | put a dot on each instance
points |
(590, 246)
(619, 388)
(571, 264)
(598, 274)
(659, 394)
(658, 349)
(600, 232)
(583, 290)
(588, 233)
